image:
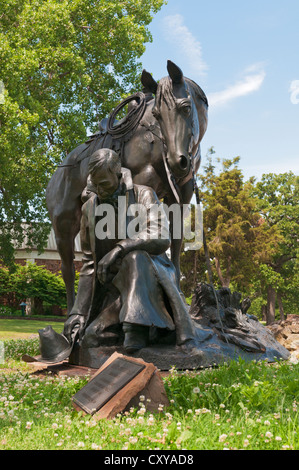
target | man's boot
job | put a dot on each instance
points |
(136, 337)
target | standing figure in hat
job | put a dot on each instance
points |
(127, 292)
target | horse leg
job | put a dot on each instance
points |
(66, 227)
(176, 225)
(65, 246)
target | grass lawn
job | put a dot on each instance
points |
(22, 329)
(237, 406)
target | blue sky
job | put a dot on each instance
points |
(245, 56)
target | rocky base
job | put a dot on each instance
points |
(211, 351)
(286, 332)
(223, 332)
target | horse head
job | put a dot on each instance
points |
(177, 113)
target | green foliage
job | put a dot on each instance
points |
(64, 65)
(5, 310)
(32, 281)
(252, 235)
(278, 202)
(235, 237)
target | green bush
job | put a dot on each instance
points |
(5, 310)
(32, 281)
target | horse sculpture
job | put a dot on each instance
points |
(159, 141)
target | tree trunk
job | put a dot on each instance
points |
(223, 280)
(38, 308)
(207, 257)
(271, 297)
(264, 313)
(280, 306)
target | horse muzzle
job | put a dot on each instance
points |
(180, 166)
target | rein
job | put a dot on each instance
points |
(207, 256)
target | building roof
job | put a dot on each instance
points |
(50, 252)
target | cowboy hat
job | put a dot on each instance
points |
(54, 347)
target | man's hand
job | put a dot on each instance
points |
(107, 261)
(71, 324)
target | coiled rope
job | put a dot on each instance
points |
(131, 120)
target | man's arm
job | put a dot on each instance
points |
(153, 234)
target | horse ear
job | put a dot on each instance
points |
(175, 73)
(149, 84)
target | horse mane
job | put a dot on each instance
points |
(164, 92)
(197, 90)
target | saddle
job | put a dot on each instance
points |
(115, 133)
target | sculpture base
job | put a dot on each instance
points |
(211, 351)
(223, 332)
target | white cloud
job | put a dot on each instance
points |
(181, 38)
(252, 81)
(294, 90)
(177, 33)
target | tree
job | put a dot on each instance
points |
(64, 65)
(278, 203)
(235, 232)
(34, 282)
(237, 239)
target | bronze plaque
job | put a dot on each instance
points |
(106, 384)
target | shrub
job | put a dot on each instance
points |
(35, 282)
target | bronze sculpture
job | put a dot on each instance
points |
(159, 141)
(127, 286)
(128, 292)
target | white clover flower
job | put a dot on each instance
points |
(95, 446)
(205, 410)
(151, 420)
